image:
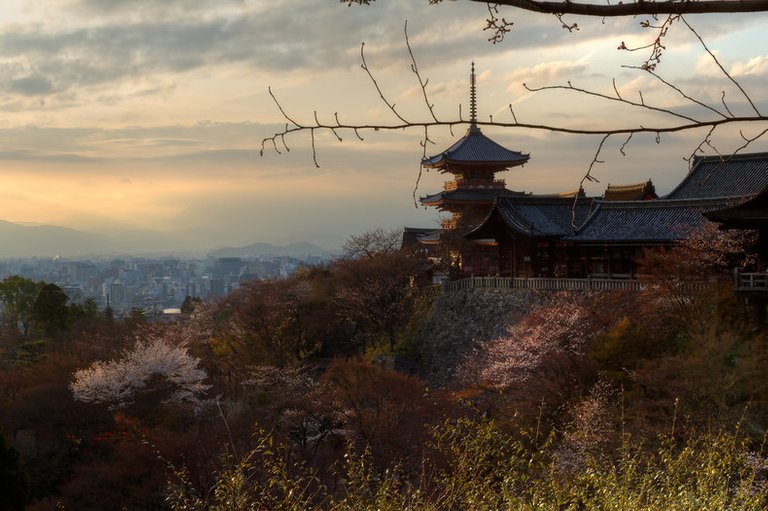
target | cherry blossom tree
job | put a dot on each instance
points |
(563, 325)
(159, 361)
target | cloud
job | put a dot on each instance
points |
(546, 73)
(754, 67)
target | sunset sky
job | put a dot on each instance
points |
(149, 114)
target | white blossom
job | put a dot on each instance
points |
(149, 364)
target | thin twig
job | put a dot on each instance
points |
(618, 99)
(415, 69)
(587, 177)
(364, 65)
(714, 58)
(678, 90)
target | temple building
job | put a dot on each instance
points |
(493, 230)
(606, 236)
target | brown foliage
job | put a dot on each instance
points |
(375, 293)
(385, 411)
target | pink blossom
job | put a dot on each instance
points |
(564, 324)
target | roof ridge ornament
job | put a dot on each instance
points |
(473, 101)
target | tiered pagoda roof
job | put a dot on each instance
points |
(468, 196)
(474, 159)
(475, 149)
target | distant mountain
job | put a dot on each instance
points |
(33, 240)
(298, 250)
(47, 241)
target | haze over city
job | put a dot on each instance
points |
(143, 120)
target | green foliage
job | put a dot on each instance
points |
(261, 479)
(190, 303)
(30, 352)
(49, 310)
(18, 295)
(475, 465)
(710, 471)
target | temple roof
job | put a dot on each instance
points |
(644, 222)
(731, 176)
(468, 195)
(751, 214)
(474, 148)
(412, 236)
(536, 216)
(638, 191)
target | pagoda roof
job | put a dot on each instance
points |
(638, 191)
(741, 175)
(644, 222)
(469, 195)
(475, 148)
(536, 216)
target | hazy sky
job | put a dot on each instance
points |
(149, 114)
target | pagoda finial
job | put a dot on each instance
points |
(472, 100)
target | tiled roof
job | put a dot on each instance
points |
(751, 214)
(476, 148)
(469, 195)
(644, 222)
(540, 216)
(412, 235)
(732, 176)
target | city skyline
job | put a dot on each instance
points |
(149, 115)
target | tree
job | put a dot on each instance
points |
(378, 241)
(18, 295)
(190, 303)
(375, 291)
(266, 322)
(50, 313)
(562, 325)
(159, 362)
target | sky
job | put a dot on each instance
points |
(122, 115)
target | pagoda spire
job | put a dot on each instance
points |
(472, 101)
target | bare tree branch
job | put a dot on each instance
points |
(621, 8)
(684, 122)
(365, 68)
(618, 98)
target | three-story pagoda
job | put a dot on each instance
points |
(474, 161)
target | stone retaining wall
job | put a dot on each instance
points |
(460, 320)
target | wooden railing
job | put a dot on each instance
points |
(545, 284)
(751, 282)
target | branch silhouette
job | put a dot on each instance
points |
(620, 9)
(669, 121)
